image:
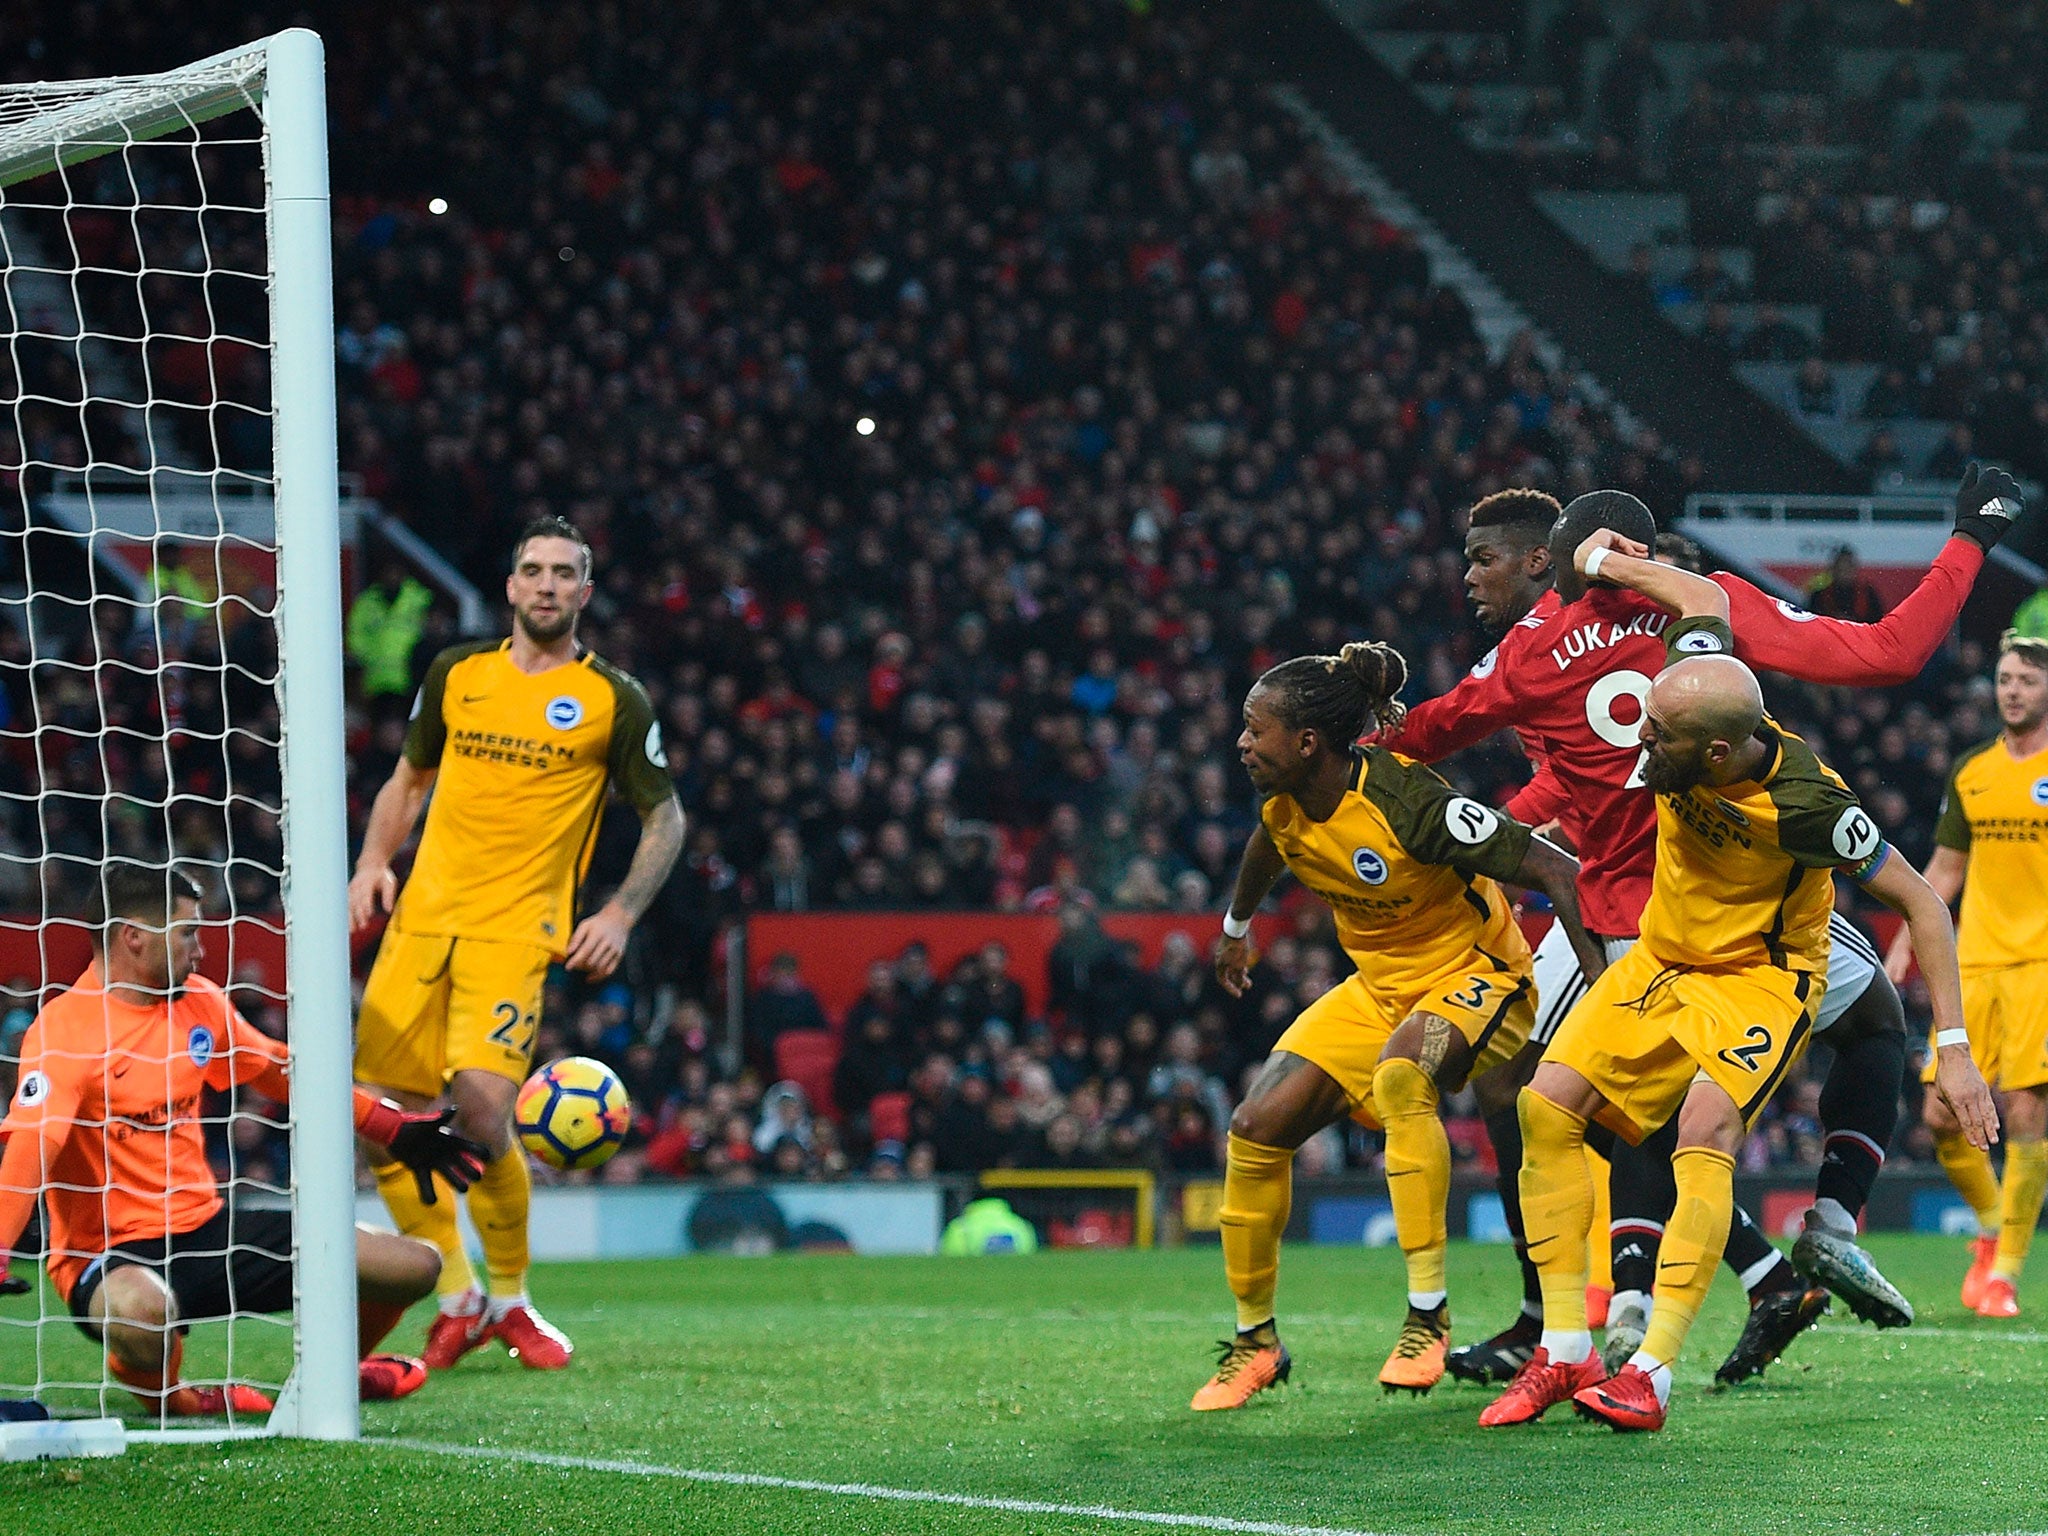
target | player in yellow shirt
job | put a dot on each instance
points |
(517, 740)
(1991, 845)
(1714, 1004)
(1443, 990)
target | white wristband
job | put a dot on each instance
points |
(1951, 1037)
(1235, 927)
(1595, 560)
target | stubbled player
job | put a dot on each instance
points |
(1706, 1014)
(1569, 677)
(1991, 845)
(517, 740)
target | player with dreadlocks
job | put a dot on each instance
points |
(1442, 993)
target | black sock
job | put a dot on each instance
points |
(1859, 1106)
(1504, 1129)
(1643, 1193)
(1751, 1256)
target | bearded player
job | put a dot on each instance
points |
(1569, 676)
(517, 740)
(1705, 1015)
(1441, 994)
(1991, 846)
(139, 1242)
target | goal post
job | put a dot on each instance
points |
(145, 345)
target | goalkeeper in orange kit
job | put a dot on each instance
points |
(139, 1242)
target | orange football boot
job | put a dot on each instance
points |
(1982, 1251)
(213, 1402)
(1625, 1401)
(1245, 1366)
(1417, 1363)
(1999, 1298)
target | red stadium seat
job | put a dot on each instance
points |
(807, 1057)
(889, 1117)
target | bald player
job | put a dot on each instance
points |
(1709, 1011)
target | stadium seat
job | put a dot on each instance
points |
(889, 1117)
(807, 1058)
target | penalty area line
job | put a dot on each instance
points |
(865, 1490)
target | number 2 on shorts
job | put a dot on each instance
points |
(1756, 1041)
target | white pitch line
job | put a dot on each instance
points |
(869, 1491)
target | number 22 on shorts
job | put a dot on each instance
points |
(514, 1029)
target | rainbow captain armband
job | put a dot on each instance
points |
(1865, 872)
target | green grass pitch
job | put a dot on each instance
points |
(1064, 1379)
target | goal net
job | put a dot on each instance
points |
(170, 697)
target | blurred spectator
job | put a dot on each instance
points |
(1843, 592)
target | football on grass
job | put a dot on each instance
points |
(572, 1113)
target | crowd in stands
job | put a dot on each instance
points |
(966, 403)
(1908, 202)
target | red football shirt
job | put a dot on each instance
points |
(1569, 680)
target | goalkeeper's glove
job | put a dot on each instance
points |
(426, 1143)
(1986, 503)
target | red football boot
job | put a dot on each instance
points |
(1597, 1298)
(213, 1402)
(1540, 1386)
(534, 1342)
(1982, 1251)
(383, 1378)
(1627, 1400)
(453, 1335)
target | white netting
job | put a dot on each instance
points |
(139, 709)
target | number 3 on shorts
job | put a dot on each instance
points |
(1756, 1042)
(1473, 995)
(514, 1030)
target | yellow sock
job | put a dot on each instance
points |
(498, 1203)
(2026, 1180)
(1969, 1169)
(1691, 1250)
(1557, 1208)
(430, 1223)
(1418, 1172)
(1258, 1189)
(1599, 1246)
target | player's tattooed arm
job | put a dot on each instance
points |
(1257, 873)
(599, 942)
(1956, 1078)
(1549, 869)
(1608, 557)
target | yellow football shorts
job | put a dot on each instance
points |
(1645, 1032)
(2006, 1012)
(435, 1006)
(1345, 1029)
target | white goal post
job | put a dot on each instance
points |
(140, 362)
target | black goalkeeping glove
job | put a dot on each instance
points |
(1986, 503)
(426, 1143)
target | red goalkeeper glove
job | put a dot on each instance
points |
(426, 1143)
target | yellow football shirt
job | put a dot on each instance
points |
(1745, 871)
(523, 762)
(1408, 866)
(1996, 811)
